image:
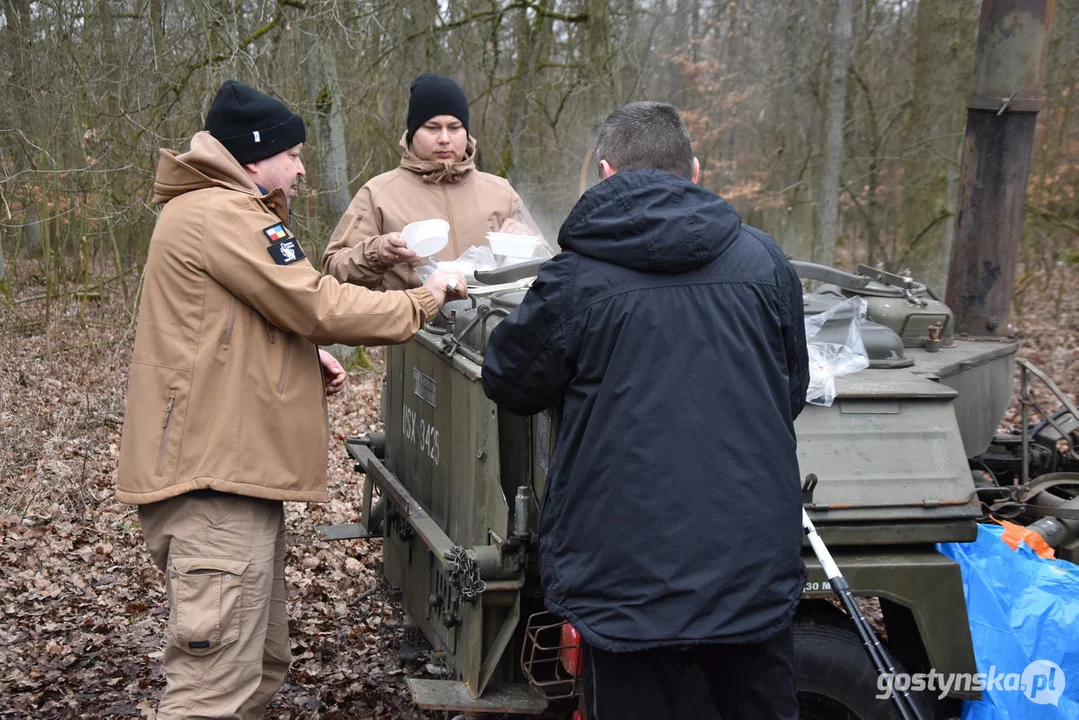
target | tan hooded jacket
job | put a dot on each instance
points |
(473, 202)
(226, 389)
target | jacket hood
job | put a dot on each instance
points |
(434, 171)
(206, 164)
(650, 220)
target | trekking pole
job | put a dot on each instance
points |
(904, 704)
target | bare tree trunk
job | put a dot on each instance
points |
(17, 36)
(424, 49)
(599, 64)
(873, 147)
(943, 56)
(682, 48)
(995, 168)
(731, 55)
(828, 224)
(329, 124)
(792, 219)
(523, 125)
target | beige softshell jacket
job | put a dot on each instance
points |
(226, 390)
(473, 202)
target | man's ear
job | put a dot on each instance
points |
(696, 170)
(605, 169)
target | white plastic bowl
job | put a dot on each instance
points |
(512, 245)
(426, 237)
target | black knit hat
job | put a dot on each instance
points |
(252, 126)
(432, 95)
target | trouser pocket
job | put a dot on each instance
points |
(205, 603)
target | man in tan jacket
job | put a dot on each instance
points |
(437, 178)
(226, 411)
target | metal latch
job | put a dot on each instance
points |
(450, 343)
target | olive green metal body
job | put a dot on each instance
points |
(465, 481)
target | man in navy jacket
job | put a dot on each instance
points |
(670, 336)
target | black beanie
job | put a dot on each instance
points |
(252, 126)
(432, 95)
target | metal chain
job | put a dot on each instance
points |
(465, 575)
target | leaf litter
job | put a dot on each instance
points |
(82, 608)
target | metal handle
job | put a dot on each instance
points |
(510, 273)
(823, 273)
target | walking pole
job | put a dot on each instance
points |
(880, 659)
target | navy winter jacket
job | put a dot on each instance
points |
(671, 337)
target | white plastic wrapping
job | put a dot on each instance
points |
(477, 257)
(827, 360)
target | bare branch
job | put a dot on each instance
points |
(27, 140)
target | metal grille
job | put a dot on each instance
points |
(542, 657)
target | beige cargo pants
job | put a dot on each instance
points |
(227, 647)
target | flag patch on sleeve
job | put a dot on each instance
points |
(276, 232)
(286, 252)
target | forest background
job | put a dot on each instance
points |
(835, 126)
(94, 88)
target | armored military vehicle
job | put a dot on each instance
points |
(907, 456)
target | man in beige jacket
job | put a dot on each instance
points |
(226, 410)
(437, 178)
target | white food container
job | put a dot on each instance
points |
(426, 237)
(512, 245)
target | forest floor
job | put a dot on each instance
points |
(82, 609)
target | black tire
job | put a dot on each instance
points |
(836, 680)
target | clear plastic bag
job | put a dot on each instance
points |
(829, 360)
(477, 257)
(424, 271)
(521, 214)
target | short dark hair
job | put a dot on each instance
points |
(646, 135)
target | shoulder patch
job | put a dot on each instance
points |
(276, 232)
(286, 252)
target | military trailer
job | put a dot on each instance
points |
(906, 456)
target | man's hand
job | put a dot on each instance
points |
(516, 227)
(392, 250)
(333, 375)
(447, 285)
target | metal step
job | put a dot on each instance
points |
(518, 699)
(346, 531)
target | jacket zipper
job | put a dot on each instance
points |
(165, 437)
(449, 214)
(284, 366)
(232, 321)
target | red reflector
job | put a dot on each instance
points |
(571, 650)
(577, 715)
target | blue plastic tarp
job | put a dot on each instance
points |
(1024, 623)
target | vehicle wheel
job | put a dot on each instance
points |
(836, 680)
